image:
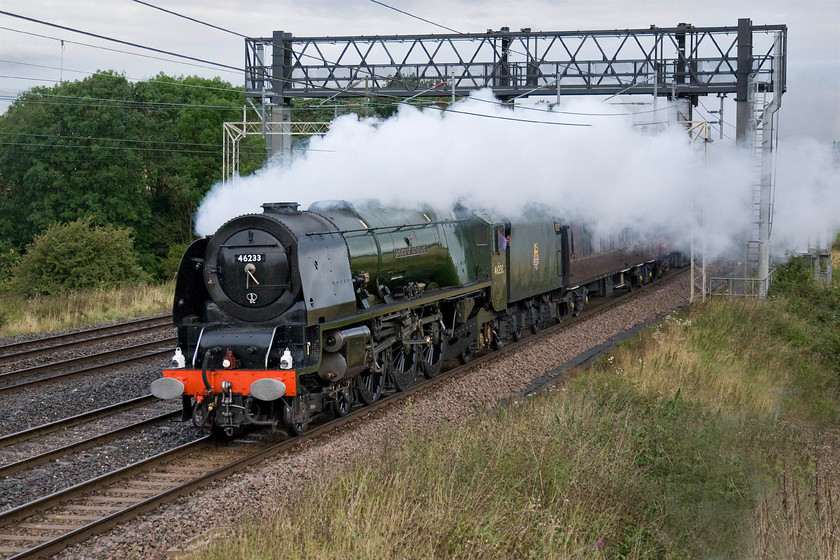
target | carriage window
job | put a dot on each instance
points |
(587, 243)
(480, 235)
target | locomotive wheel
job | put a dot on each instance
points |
(431, 356)
(343, 401)
(201, 417)
(402, 368)
(515, 323)
(534, 316)
(369, 386)
(293, 417)
(498, 342)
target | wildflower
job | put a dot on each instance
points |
(598, 544)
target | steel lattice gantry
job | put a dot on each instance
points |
(682, 61)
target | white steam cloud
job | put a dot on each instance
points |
(613, 172)
(807, 201)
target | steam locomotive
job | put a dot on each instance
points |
(287, 314)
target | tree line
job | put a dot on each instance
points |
(109, 153)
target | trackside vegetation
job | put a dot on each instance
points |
(77, 274)
(80, 308)
(712, 435)
(139, 155)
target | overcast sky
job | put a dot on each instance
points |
(31, 54)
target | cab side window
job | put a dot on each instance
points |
(480, 235)
(500, 241)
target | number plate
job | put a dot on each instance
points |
(250, 258)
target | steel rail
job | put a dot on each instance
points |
(153, 350)
(16, 515)
(43, 429)
(81, 445)
(55, 342)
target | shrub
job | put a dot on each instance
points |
(169, 265)
(76, 256)
(8, 259)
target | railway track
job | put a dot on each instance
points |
(46, 458)
(60, 342)
(50, 524)
(86, 443)
(85, 365)
(39, 431)
(65, 448)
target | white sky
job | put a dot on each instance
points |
(811, 106)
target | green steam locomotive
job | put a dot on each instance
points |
(288, 314)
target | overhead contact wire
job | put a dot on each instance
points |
(120, 41)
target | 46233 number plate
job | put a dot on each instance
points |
(250, 257)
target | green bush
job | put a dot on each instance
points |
(169, 265)
(8, 259)
(76, 256)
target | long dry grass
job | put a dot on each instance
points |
(718, 353)
(76, 309)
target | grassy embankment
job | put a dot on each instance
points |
(714, 434)
(78, 309)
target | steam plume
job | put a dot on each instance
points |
(613, 172)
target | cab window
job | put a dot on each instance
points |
(480, 235)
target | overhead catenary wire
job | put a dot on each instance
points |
(213, 152)
(125, 103)
(201, 60)
(152, 81)
(214, 64)
(191, 19)
(415, 17)
(398, 99)
(125, 140)
(119, 51)
(120, 41)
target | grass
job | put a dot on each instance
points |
(717, 353)
(712, 435)
(19, 315)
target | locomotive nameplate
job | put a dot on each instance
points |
(410, 251)
(250, 258)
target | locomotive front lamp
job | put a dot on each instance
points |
(286, 360)
(178, 360)
(229, 361)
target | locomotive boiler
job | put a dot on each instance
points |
(289, 313)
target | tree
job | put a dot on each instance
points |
(75, 256)
(67, 160)
(139, 156)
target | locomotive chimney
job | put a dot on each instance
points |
(280, 208)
